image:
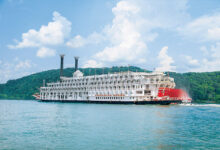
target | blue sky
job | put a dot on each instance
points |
(181, 36)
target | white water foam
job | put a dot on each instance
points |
(201, 105)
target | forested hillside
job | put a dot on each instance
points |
(202, 87)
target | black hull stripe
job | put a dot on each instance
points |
(164, 102)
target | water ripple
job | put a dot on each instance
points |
(35, 125)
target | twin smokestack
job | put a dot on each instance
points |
(61, 64)
(76, 63)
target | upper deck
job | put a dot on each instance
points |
(113, 79)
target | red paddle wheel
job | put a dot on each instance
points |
(173, 94)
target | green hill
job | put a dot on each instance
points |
(202, 87)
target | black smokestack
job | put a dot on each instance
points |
(76, 63)
(61, 65)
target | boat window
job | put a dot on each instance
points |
(139, 92)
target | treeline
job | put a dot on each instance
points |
(202, 87)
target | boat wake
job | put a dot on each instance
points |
(201, 105)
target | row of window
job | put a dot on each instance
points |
(82, 93)
(115, 78)
(109, 98)
(98, 88)
(95, 83)
(46, 94)
(100, 78)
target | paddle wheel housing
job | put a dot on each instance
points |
(173, 94)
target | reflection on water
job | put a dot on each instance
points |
(38, 125)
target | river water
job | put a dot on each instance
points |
(41, 125)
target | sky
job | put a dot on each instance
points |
(161, 35)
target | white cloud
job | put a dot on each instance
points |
(210, 65)
(92, 64)
(124, 35)
(191, 61)
(52, 34)
(23, 65)
(207, 66)
(45, 52)
(205, 28)
(76, 42)
(215, 51)
(14, 69)
(79, 41)
(212, 60)
(165, 61)
(132, 28)
(213, 63)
